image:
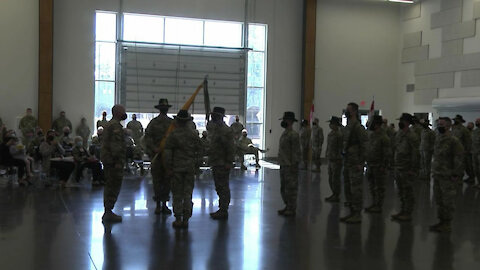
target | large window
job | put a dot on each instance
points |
(105, 47)
(257, 37)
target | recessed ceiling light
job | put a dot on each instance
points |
(402, 1)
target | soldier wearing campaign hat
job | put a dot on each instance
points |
(334, 156)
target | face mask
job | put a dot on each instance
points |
(348, 114)
(124, 116)
(401, 125)
(442, 130)
(244, 135)
(66, 133)
(284, 124)
(50, 138)
(79, 144)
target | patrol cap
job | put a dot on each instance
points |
(406, 117)
(334, 120)
(289, 116)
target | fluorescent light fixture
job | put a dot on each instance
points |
(402, 1)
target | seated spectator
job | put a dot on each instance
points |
(245, 146)
(17, 150)
(83, 160)
(34, 147)
(52, 156)
(66, 141)
(134, 152)
(96, 144)
(6, 158)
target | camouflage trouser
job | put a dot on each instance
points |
(306, 156)
(182, 188)
(426, 162)
(405, 189)
(113, 183)
(316, 156)
(221, 177)
(334, 175)
(289, 186)
(353, 182)
(445, 190)
(469, 165)
(476, 165)
(161, 184)
(376, 181)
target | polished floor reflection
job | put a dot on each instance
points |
(50, 228)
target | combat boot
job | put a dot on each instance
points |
(355, 218)
(343, 219)
(185, 223)
(394, 216)
(165, 209)
(405, 217)
(434, 227)
(177, 223)
(109, 216)
(158, 209)
(442, 227)
(374, 209)
(220, 214)
(282, 211)
(333, 198)
(289, 213)
(243, 167)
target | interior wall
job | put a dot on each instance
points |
(74, 50)
(421, 100)
(19, 59)
(356, 57)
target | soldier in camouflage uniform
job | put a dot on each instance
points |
(378, 153)
(334, 156)
(102, 123)
(83, 131)
(317, 143)
(476, 151)
(406, 166)
(427, 140)
(61, 122)
(155, 132)
(355, 140)
(136, 128)
(113, 158)
(465, 138)
(237, 128)
(27, 126)
(221, 157)
(245, 146)
(305, 143)
(447, 169)
(182, 149)
(390, 131)
(289, 158)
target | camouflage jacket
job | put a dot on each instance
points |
(137, 130)
(27, 124)
(80, 154)
(102, 123)
(182, 149)
(222, 148)
(113, 146)
(427, 140)
(378, 149)
(237, 128)
(60, 123)
(243, 143)
(407, 154)
(305, 137)
(154, 133)
(83, 131)
(354, 143)
(476, 141)
(289, 148)
(334, 145)
(447, 156)
(317, 137)
(418, 129)
(463, 135)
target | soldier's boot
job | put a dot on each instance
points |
(342, 219)
(434, 227)
(394, 216)
(220, 214)
(442, 227)
(333, 198)
(243, 167)
(282, 211)
(178, 223)
(165, 209)
(374, 209)
(257, 166)
(355, 218)
(289, 213)
(109, 216)
(158, 209)
(185, 222)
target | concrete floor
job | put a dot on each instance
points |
(49, 228)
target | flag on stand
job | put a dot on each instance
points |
(312, 110)
(371, 113)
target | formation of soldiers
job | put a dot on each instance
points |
(413, 152)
